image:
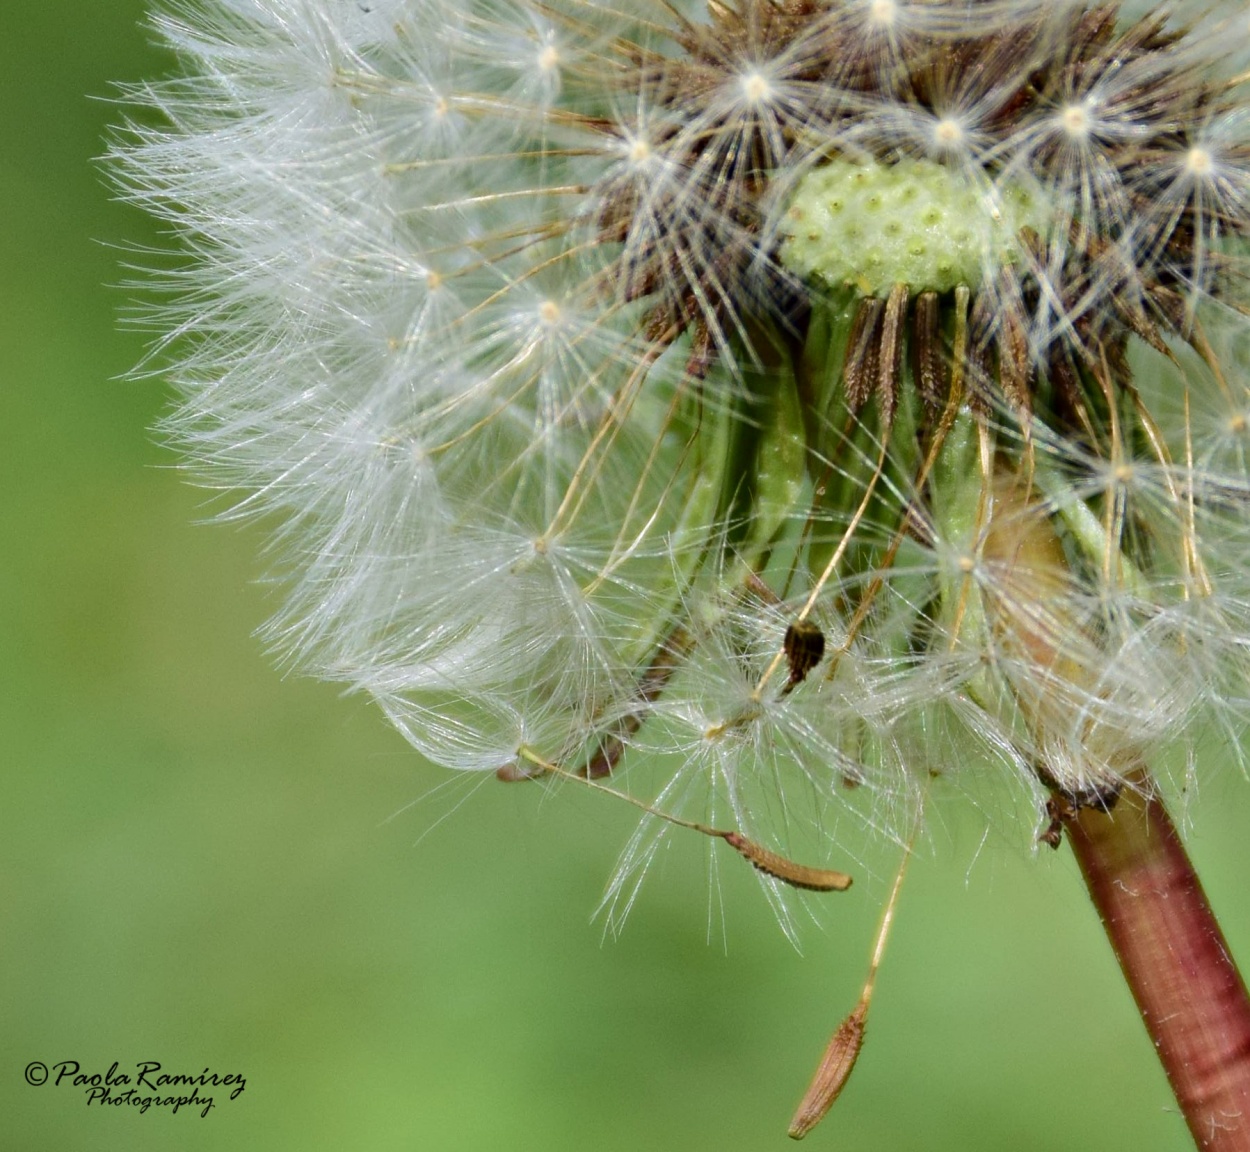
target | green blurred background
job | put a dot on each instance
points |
(207, 864)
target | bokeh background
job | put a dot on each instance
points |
(209, 864)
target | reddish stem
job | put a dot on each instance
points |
(1175, 959)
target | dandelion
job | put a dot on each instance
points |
(762, 412)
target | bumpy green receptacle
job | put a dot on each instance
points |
(912, 222)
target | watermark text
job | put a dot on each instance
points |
(143, 1085)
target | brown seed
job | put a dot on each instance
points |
(860, 369)
(784, 869)
(834, 1071)
(890, 353)
(928, 366)
(804, 646)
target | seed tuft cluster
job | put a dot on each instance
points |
(772, 405)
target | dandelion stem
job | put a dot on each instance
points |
(1174, 957)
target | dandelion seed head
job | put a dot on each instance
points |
(583, 355)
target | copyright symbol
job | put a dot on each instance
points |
(36, 1073)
